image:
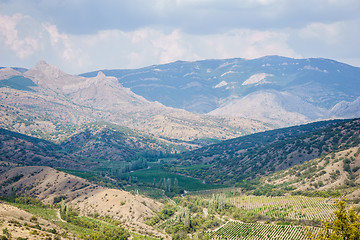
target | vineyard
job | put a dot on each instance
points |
(286, 207)
(234, 230)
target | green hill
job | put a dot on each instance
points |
(264, 153)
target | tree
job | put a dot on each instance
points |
(345, 226)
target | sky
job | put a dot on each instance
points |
(87, 35)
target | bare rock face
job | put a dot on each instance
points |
(49, 76)
(346, 109)
(278, 108)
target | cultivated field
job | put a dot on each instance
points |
(234, 230)
(286, 207)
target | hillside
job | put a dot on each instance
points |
(14, 220)
(264, 153)
(19, 149)
(337, 171)
(100, 147)
(274, 89)
(112, 142)
(48, 185)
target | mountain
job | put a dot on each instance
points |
(261, 154)
(48, 103)
(279, 90)
(279, 108)
(346, 109)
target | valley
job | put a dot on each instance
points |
(216, 149)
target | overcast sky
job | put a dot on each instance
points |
(86, 35)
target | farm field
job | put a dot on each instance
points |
(155, 175)
(234, 230)
(286, 207)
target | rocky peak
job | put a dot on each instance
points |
(100, 75)
(47, 70)
(50, 76)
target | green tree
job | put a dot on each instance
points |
(345, 226)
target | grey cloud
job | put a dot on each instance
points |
(90, 16)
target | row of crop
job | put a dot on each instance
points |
(235, 230)
(290, 207)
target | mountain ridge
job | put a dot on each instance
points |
(61, 99)
(212, 86)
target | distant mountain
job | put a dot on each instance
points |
(48, 103)
(19, 69)
(261, 154)
(278, 90)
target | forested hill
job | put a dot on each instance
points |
(263, 153)
(89, 145)
(20, 150)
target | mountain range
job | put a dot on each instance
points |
(165, 130)
(273, 89)
(46, 102)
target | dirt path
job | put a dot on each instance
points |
(59, 216)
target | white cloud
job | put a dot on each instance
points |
(329, 33)
(10, 36)
(61, 42)
(24, 41)
(130, 49)
(245, 43)
(118, 49)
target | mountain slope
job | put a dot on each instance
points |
(279, 108)
(14, 219)
(205, 86)
(264, 153)
(114, 143)
(337, 171)
(94, 146)
(23, 150)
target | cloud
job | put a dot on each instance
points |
(329, 33)
(23, 46)
(86, 35)
(189, 16)
(143, 47)
(130, 49)
(336, 40)
(60, 42)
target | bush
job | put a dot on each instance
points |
(346, 225)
